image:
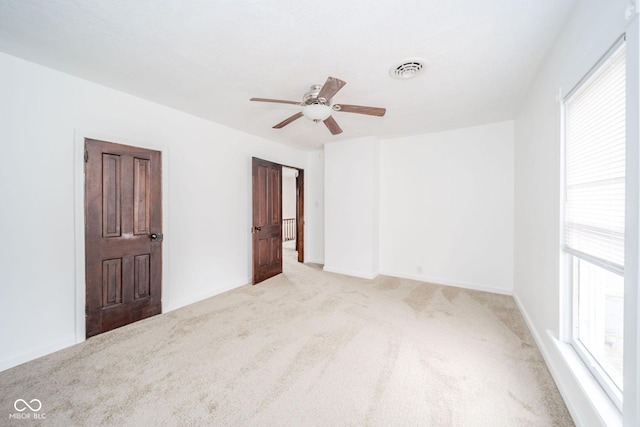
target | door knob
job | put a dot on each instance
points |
(156, 237)
(258, 228)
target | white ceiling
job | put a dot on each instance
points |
(208, 57)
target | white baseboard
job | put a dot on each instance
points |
(587, 403)
(174, 305)
(36, 353)
(353, 273)
(447, 282)
(43, 351)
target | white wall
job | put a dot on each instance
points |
(207, 183)
(351, 183)
(436, 207)
(592, 28)
(314, 207)
(288, 195)
(447, 207)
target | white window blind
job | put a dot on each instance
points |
(595, 165)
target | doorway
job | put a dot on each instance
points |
(289, 209)
(268, 227)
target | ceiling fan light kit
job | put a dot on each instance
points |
(316, 105)
(317, 112)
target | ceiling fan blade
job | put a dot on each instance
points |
(287, 121)
(360, 109)
(331, 87)
(280, 101)
(332, 125)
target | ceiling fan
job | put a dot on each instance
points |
(316, 105)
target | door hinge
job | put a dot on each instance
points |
(86, 156)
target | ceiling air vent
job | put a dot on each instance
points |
(407, 69)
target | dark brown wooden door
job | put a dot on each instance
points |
(123, 235)
(267, 220)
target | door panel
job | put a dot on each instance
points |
(142, 278)
(111, 195)
(123, 207)
(267, 219)
(274, 194)
(111, 282)
(141, 198)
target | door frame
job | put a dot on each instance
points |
(300, 214)
(79, 222)
(299, 211)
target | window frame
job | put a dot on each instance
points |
(592, 364)
(569, 256)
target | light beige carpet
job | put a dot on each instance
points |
(306, 348)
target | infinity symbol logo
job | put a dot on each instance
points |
(23, 407)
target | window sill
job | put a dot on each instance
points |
(598, 398)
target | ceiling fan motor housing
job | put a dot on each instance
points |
(311, 97)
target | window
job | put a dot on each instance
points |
(594, 217)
